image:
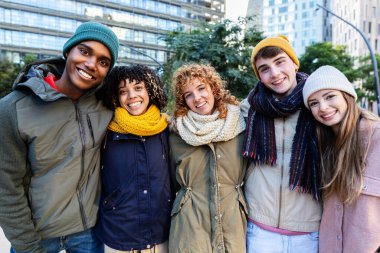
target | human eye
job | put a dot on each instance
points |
(264, 70)
(313, 104)
(186, 95)
(105, 63)
(330, 96)
(202, 87)
(83, 51)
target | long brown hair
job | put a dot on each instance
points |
(206, 74)
(342, 155)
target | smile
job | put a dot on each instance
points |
(85, 74)
(328, 116)
(200, 105)
(279, 81)
(135, 104)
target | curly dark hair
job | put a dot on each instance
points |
(207, 74)
(109, 93)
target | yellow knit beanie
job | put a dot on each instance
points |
(280, 41)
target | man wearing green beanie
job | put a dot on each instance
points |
(51, 132)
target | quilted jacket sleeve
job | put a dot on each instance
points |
(15, 214)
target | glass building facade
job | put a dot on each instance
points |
(42, 27)
(297, 19)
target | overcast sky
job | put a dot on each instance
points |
(236, 8)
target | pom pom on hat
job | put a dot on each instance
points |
(97, 32)
(280, 41)
(327, 77)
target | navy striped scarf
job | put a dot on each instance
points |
(260, 141)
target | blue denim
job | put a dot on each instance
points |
(82, 242)
(263, 241)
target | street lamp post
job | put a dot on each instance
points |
(373, 58)
(160, 67)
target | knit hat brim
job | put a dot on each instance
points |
(93, 31)
(280, 41)
(326, 78)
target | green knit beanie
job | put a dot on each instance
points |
(94, 31)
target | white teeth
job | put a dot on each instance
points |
(197, 106)
(328, 115)
(86, 75)
(278, 81)
(134, 104)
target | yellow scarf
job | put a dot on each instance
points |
(149, 123)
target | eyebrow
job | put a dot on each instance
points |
(103, 57)
(276, 59)
(323, 95)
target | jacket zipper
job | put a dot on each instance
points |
(79, 194)
(220, 245)
(282, 172)
(91, 131)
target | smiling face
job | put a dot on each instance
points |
(278, 74)
(199, 97)
(329, 107)
(87, 65)
(133, 97)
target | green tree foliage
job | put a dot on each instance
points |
(9, 72)
(225, 46)
(367, 88)
(325, 53)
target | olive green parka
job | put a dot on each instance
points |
(209, 212)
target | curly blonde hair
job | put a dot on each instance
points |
(206, 74)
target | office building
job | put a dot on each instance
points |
(42, 27)
(296, 19)
(363, 14)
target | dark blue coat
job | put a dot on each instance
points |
(136, 199)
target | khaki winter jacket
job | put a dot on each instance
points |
(269, 199)
(209, 212)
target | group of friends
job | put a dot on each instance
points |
(90, 163)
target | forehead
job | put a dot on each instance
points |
(125, 82)
(267, 61)
(322, 93)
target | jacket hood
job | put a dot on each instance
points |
(32, 78)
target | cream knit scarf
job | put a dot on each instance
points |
(196, 129)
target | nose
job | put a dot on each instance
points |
(90, 63)
(131, 94)
(275, 72)
(323, 106)
(197, 96)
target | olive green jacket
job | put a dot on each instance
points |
(209, 212)
(49, 160)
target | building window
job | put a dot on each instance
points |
(283, 9)
(369, 27)
(271, 2)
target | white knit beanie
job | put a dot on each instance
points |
(326, 77)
